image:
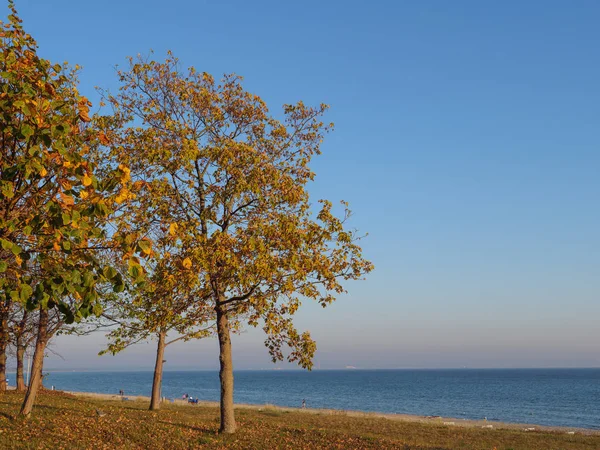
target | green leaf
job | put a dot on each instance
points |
(88, 279)
(25, 292)
(66, 312)
(144, 246)
(15, 249)
(97, 309)
(76, 277)
(3, 266)
(7, 189)
(6, 245)
(44, 301)
(109, 272)
(26, 131)
(134, 271)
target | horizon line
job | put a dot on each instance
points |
(353, 369)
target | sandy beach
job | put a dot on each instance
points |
(447, 421)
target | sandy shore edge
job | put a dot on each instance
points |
(434, 420)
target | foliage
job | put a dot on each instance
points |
(230, 182)
(161, 305)
(53, 205)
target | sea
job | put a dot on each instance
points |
(555, 397)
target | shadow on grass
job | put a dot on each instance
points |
(212, 432)
(55, 408)
(131, 408)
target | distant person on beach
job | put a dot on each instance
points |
(184, 396)
(121, 393)
(303, 403)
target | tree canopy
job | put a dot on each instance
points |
(230, 181)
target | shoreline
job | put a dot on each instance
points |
(434, 420)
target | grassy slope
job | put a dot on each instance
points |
(63, 421)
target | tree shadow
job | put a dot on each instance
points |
(199, 429)
(133, 408)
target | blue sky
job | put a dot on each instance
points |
(466, 142)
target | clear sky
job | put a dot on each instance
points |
(466, 142)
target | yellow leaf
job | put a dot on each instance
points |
(123, 168)
(67, 199)
(187, 263)
(147, 250)
(172, 229)
(43, 172)
(103, 139)
(86, 180)
(83, 195)
(83, 115)
(123, 195)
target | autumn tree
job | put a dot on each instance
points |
(5, 311)
(23, 334)
(160, 308)
(31, 334)
(234, 183)
(53, 206)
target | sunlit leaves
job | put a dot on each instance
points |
(54, 203)
(228, 183)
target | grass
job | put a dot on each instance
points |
(62, 421)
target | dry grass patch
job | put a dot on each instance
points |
(62, 421)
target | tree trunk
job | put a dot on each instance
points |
(158, 371)
(21, 349)
(225, 373)
(35, 380)
(20, 358)
(3, 344)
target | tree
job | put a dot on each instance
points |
(232, 179)
(23, 334)
(47, 323)
(53, 207)
(5, 311)
(160, 307)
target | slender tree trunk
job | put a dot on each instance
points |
(3, 344)
(225, 373)
(35, 380)
(158, 371)
(20, 358)
(21, 348)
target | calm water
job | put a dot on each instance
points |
(565, 397)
